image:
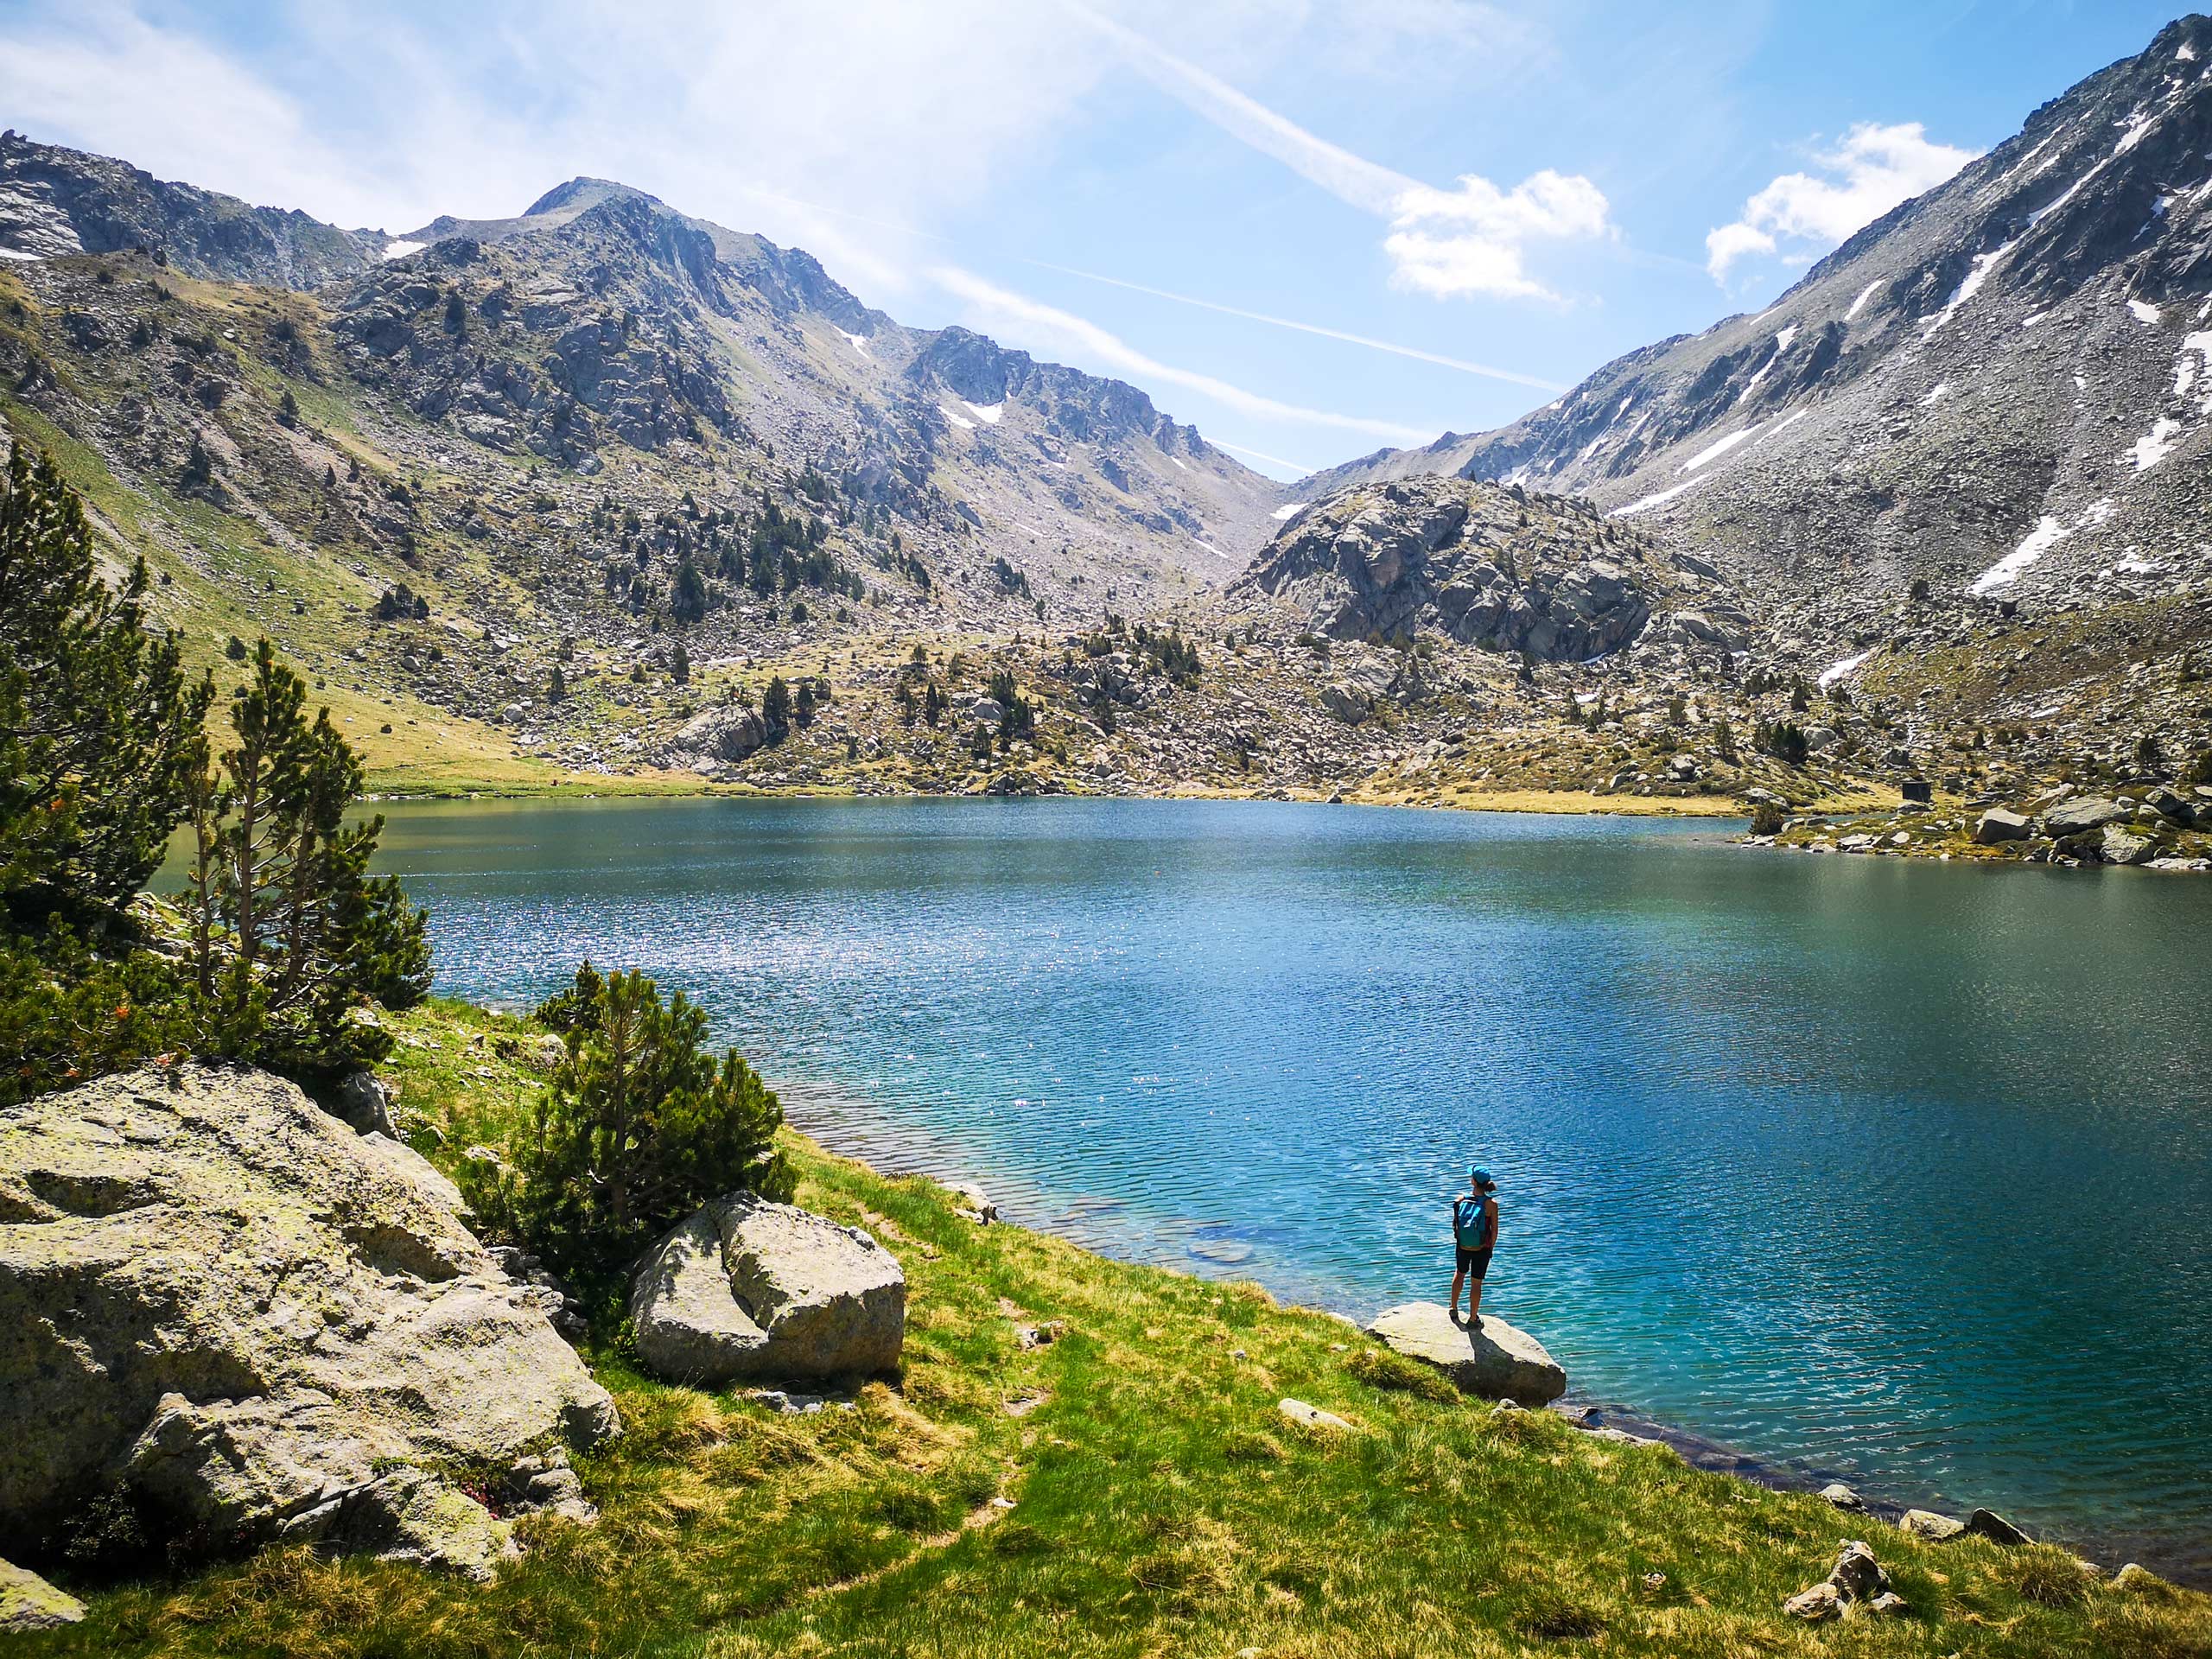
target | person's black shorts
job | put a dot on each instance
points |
(1475, 1262)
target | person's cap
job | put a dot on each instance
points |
(1481, 1178)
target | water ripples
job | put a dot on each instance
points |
(1879, 1167)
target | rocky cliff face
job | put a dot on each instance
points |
(1489, 565)
(55, 202)
(2002, 390)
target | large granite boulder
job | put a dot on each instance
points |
(218, 1299)
(2079, 817)
(1493, 1360)
(751, 1288)
(726, 734)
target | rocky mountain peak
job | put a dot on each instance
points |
(1998, 393)
(584, 192)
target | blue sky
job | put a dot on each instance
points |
(1507, 192)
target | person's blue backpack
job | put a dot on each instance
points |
(1467, 1222)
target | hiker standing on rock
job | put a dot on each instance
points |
(1474, 1232)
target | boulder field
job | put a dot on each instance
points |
(222, 1306)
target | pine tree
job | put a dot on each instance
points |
(289, 931)
(96, 713)
(687, 600)
(638, 1128)
(556, 685)
(776, 709)
(679, 666)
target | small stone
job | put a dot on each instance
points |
(1926, 1523)
(1998, 825)
(1817, 1605)
(1842, 1497)
(978, 1206)
(1858, 1576)
(1299, 1412)
(2135, 1578)
(1888, 1605)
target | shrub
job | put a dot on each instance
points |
(1766, 819)
(639, 1126)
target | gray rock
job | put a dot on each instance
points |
(2079, 817)
(1997, 824)
(1856, 1584)
(1987, 1523)
(727, 733)
(1926, 1523)
(216, 1296)
(1346, 702)
(365, 1102)
(974, 1201)
(750, 1288)
(2126, 846)
(1312, 1416)
(1839, 1496)
(1494, 1361)
(29, 1603)
(1817, 1605)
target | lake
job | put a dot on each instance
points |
(1901, 1171)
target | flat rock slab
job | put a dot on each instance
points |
(750, 1289)
(1494, 1361)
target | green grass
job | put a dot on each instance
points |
(1161, 1503)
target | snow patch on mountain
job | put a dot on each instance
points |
(1715, 451)
(2048, 533)
(2154, 446)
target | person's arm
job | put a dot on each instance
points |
(1489, 1208)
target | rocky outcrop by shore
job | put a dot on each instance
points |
(1490, 1359)
(751, 1288)
(219, 1305)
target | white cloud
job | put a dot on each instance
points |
(1469, 240)
(1020, 321)
(1874, 169)
(1448, 243)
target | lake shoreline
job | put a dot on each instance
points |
(911, 1153)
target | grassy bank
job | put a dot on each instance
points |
(1129, 1489)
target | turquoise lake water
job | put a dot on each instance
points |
(1901, 1172)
